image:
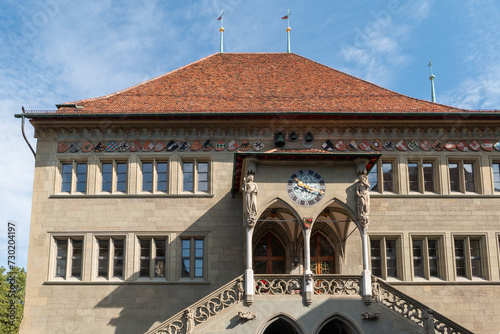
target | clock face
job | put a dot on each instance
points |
(306, 187)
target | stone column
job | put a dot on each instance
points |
(249, 281)
(363, 209)
(250, 193)
(308, 280)
(367, 275)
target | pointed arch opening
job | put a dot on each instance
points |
(322, 255)
(338, 324)
(281, 324)
(275, 240)
(269, 255)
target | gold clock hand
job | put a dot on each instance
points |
(314, 189)
(302, 184)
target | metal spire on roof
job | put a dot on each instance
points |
(431, 78)
(221, 19)
(288, 29)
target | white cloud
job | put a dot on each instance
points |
(378, 46)
(479, 85)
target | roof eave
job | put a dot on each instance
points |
(459, 114)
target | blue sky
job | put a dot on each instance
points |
(54, 51)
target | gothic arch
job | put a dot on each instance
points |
(335, 323)
(338, 206)
(279, 200)
(280, 232)
(288, 323)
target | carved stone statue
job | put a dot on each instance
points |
(189, 321)
(247, 315)
(376, 290)
(370, 315)
(250, 200)
(241, 289)
(429, 322)
(363, 193)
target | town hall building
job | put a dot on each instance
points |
(263, 193)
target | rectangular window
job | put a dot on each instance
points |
(421, 176)
(413, 176)
(195, 176)
(110, 257)
(384, 257)
(188, 176)
(382, 177)
(114, 177)
(69, 252)
(152, 257)
(418, 259)
(391, 257)
(468, 257)
(462, 178)
(496, 177)
(121, 177)
(203, 176)
(376, 258)
(425, 257)
(155, 176)
(373, 178)
(74, 177)
(192, 254)
(107, 177)
(388, 176)
(67, 173)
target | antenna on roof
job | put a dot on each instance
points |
(431, 78)
(221, 19)
(288, 29)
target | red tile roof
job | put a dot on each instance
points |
(255, 83)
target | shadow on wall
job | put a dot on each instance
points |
(143, 306)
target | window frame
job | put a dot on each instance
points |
(154, 180)
(74, 176)
(68, 272)
(468, 258)
(196, 175)
(476, 169)
(110, 275)
(421, 175)
(152, 257)
(439, 239)
(192, 258)
(378, 169)
(492, 163)
(114, 175)
(382, 239)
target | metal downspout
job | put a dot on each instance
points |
(24, 134)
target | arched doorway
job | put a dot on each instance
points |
(280, 326)
(269, 255)
(336, 326)
(322, 255)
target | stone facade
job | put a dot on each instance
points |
(147, 256)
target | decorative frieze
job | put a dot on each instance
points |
(86, 146)
(286, 285)
(328, 285)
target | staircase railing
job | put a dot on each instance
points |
(202, 310)
(432, 321)
(293, 284)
